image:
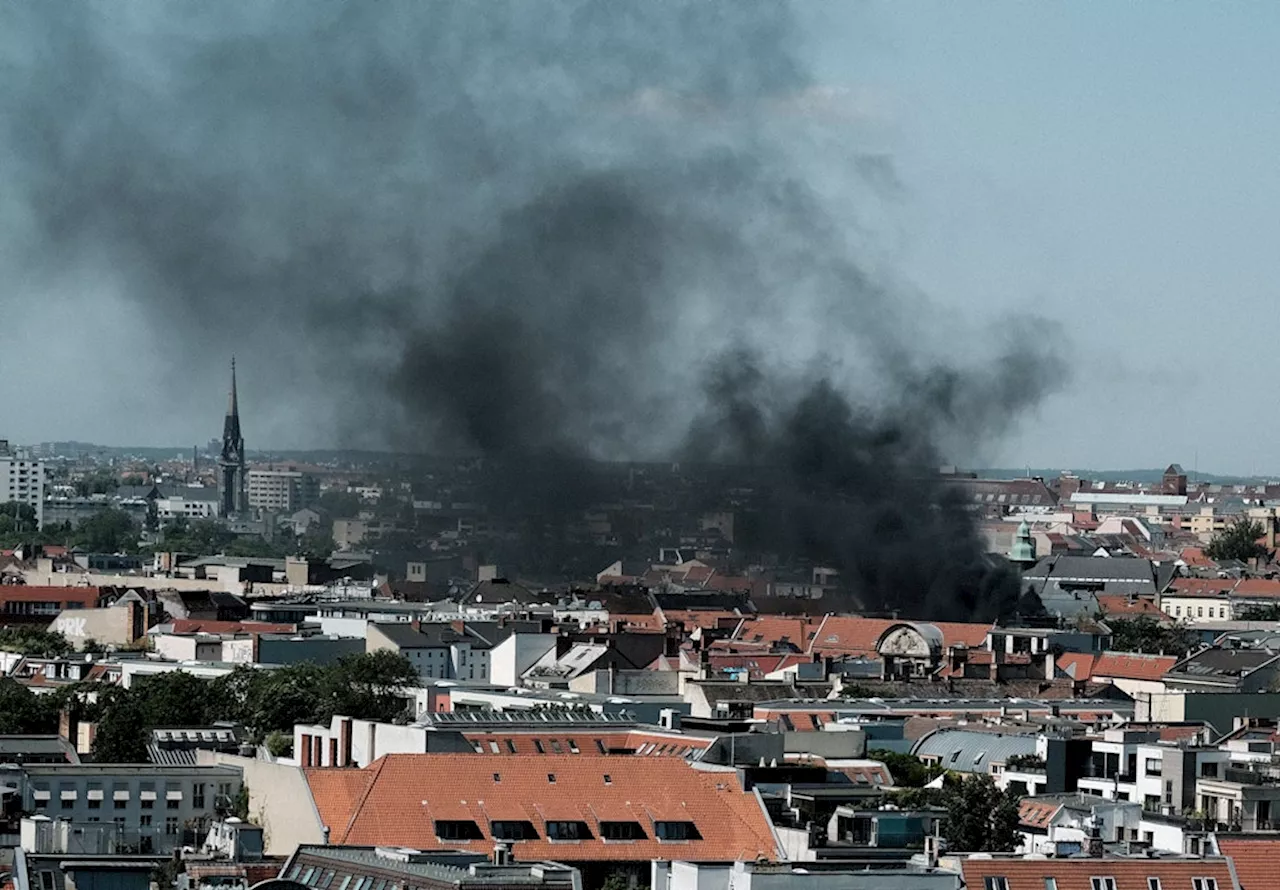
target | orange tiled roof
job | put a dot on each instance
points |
(1268, 588)
(1201, 586)
(197, 626)
(770, 629)
(397, 800)
(1132, 665)
(1034, 813)
(31, 593)
(846, 635)
(1122, 606)
(1255, 860)
(1075, 874)
(1077, 665)
(1195, 558)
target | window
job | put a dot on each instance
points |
(1153, 766)
(458, 830)
(172, 803)
(537, 743)
(197, 795)
(676, 831)
(171, 825)
(513, 831)
(621, 831)
(306, 875)
(1204, 884)
(1153, 884)
(511, 747)
(995, 882)
(1208, 770)
(95, 803)
(148, 803)
(46, 879)
(497, 777)
(493, 747)
(1050, 884)
(608, 779)
(119, 804)
(568, 831)
(145, 821)
(573, 746)
(1106, 883)
(555, 747)
(551, 778)
(600, 746)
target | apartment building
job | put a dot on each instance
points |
(147, 808)
(22, 479)
(282, 491)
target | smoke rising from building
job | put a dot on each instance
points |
(572, 230)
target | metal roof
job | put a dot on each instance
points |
(968, 751)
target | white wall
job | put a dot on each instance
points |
(279, 800)
(509, 660)
(356, 628)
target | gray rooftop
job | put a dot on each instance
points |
(970, 751)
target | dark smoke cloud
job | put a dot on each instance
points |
(570, 230)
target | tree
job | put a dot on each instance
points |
(34, 641)
(22, 711)
(1238, 541)
(908, 771)
(1145, 634)
(122, 728)
(980, 817)
(110, 531)
(1260, 612)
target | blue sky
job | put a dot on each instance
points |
(1109, 166)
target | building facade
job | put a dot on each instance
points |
(22, 479)
(282, 491)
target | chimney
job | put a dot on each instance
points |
(416, 624)
(305, 753)
(501, 853)
(344, 735)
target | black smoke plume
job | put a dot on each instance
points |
(549, 233)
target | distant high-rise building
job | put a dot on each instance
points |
(282, 491)
(22, 480)
(231, 478)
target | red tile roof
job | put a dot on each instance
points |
(1265, 588)
(198, 626)
(1255, 860)
(1035, 814)
(1132, 666)
(1075, 874)
(1195, 558)
(772, 629)
(1201, 586)
(397, 800)
(27, 593)
(1123, 606)
(1077, 665)
(845, 635)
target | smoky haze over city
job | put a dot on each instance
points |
(548, 233)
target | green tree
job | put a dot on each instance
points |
(110, 531)
(122, 733)
(279, 744)
(980, 817)
(908, 771)
(1260, 612)
(1238, 541)
(1145, 634)
(34, 641)
(22, 711)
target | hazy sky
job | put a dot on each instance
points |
(1107, 166)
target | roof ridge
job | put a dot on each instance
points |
(358, 808)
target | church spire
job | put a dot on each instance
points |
(231, 461)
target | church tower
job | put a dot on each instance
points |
(1023, 552)
(231, 461)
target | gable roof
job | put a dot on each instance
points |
(1075, 874)
(1255, 859)
(398, 799)
(1132, 665)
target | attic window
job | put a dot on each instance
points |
(555, 746)
(497, 777)
(600, 746)
(513, 831)
(511, 747)
(621, 831)
(493, 747)
(676, 831)
(551, 777)
(537, 743)
(568, 831)
(573, 746)
(458, 830)
(608, 779)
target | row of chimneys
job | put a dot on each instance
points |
(312, 753)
